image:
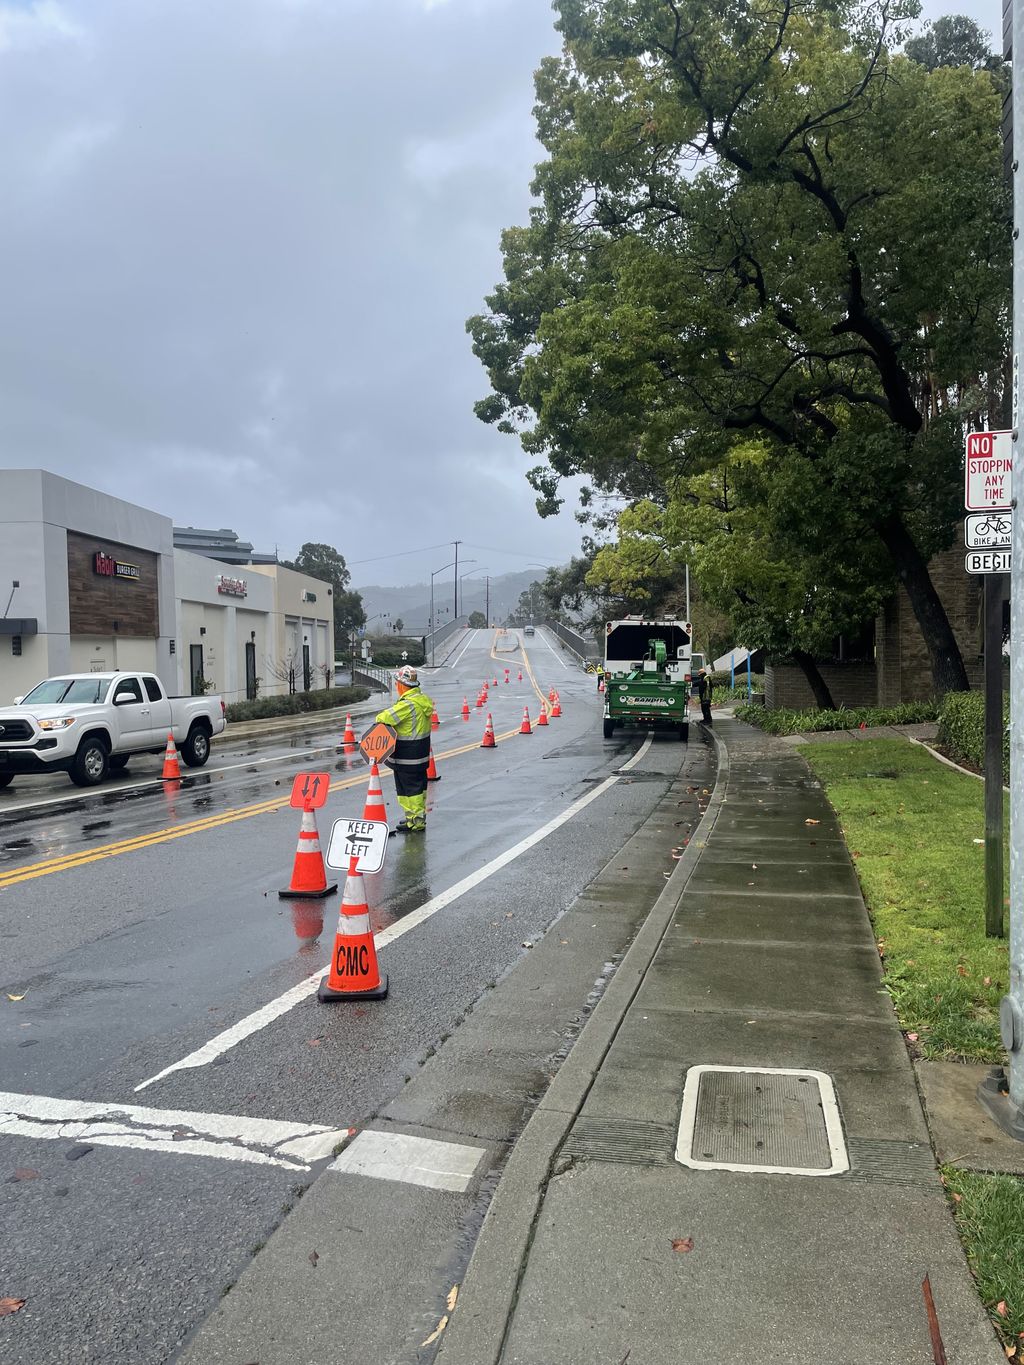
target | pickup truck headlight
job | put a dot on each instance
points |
(61, 723)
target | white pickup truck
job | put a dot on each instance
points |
(84, 724)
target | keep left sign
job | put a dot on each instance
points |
(988, 471)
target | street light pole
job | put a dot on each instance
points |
(433, 623)
(469, 574)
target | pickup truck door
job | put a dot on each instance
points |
(133, 714)
(159, 709)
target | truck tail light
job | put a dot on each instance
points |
(223, 709)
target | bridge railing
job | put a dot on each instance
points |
(432, 644)
(583, 647)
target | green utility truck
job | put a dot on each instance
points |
(647, 675)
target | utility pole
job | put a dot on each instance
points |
(487, 609)
(1002, 1094)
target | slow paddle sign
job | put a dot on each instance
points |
(378, 743)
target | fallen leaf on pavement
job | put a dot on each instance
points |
(16, 997)
(812, 822)
(436, 1332)
(912, 1037)
(453, 1294)
(22, 1173)
(10, 1306)
(682, 1244)
(1011, 1351)
(313, 1257)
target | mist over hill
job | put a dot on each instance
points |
(410, 603)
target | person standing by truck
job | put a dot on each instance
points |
(704, 689)
(410, 718)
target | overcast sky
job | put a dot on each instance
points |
(239, 241)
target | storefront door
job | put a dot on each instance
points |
(195, 659)
(307, 675)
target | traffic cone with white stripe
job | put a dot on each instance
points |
(542, 719)
(375, 809)
(551, 696)
(488, 741)
(348, 741)
(171, 772)
(480, 702)
(520, 675)
(495, 683)
(432, 774)
(465, 708)
(507, 671)
(309, 875)
(435, 719)
(354, 974)
(556, 709)
(525, 728)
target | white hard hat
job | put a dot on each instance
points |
(407, 675)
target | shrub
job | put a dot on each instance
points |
(962, 729)
(298, 703)
(387, 651)
(721, 680)
(783, 721)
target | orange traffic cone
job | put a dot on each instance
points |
(551, 696)
(432, 774)
(480, 701)
(520, 675)
(542, 719)
(495, 683)
(556, 710)
(171, 772)
(525, 729)
(375, 809)
(506, 674)
(600, 684)
(349, 738)
(488, 740)
(465, 709)
(435, 719)
(354, 974)
(309, 876)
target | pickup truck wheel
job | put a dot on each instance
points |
(6, 779)
(196, 749)
(609, 729)
(118, 761)
(90, 765)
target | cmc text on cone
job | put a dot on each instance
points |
(354, 973)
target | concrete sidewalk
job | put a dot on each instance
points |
(601, 1247)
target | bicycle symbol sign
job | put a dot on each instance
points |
(988, 531)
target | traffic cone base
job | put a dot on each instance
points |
(309, 875)
(353, 974)
(171, 770)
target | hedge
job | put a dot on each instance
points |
(962, 729)
(295, 704)
(783, 721)
(723, 679)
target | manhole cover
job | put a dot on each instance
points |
(772, 1120)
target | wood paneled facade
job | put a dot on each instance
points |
(107, 604)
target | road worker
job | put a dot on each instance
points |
(410, 719)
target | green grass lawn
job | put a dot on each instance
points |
(911, 826)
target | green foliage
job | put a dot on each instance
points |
(989, 1214)
(387, 651)
(735, 303)
(326, 563)
(962, 729)
(477, 620)
(298, 703)
(956, 40)
(783, 721)
(914, 829)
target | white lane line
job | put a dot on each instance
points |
(227, 1137)
(295, 756)
(543, 636)
(639, 753)
(446, 664)
(259, 1019)
(412, 1160)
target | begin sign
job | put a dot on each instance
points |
(988, 471)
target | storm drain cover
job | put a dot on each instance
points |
(771, 1120)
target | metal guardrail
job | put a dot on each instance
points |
(432, 642)
(378, 679)
(580, 645)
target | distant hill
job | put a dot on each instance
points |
(411, 602)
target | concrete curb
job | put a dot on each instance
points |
(941, 758)
(476, 1333)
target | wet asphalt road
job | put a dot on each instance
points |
(138, 923)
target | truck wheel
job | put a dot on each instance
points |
(6, 779)
(90, 765)
(118, 761)
(684, 731)
(196, 749)
(609, 728)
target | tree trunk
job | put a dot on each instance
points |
(948, 672)
(818, 685)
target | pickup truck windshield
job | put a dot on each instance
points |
(53, 691)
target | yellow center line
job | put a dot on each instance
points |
(67, 862)
(529, 671)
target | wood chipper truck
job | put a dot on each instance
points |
(647, 675)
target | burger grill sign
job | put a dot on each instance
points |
(108, 567)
